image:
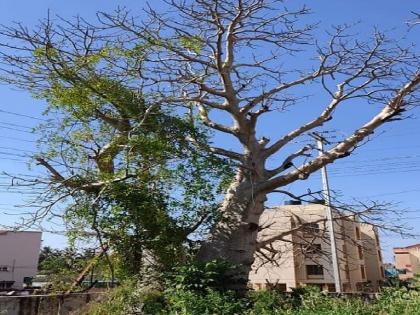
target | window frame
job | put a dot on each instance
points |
(313, 249)
(316, 272)
(363, 271)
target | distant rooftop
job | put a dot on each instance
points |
(408, 247)
(13, 231)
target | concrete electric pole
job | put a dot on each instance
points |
(326, 193)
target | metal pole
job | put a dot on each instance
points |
(327, 198)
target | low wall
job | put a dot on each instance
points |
(45, 304)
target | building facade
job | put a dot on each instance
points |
(19, 253)
(303, 257)
(407, 261)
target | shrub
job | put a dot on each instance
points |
(400, 301)
(127, 300)
(200, 276)
(211, 302)
(267, 302)
(118, 301)
(198, 289)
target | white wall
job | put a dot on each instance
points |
(19, 251)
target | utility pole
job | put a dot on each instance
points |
(326, 193)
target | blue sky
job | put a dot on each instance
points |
(386, 169)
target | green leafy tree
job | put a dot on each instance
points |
(133, 95)
(242, 61)
(122, 163)
(53, 261)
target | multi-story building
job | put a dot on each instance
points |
(407, 261)
(19, 253)
(301, 253)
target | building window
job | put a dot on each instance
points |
(360, 251)
(382, 272)
(4, 268)
(320, 286)
(358, 233)
(6, 284)
(311, 229)
(346, 287)
(282, 287)
(331, 287)
(379, 255)
(314, 270)
(313, 249)
(362, 271)
(347, 272)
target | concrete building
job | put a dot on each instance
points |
(303, 257)
(407, 261)
(19, 253)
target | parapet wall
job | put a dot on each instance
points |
(45, 304)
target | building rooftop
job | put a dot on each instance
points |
(408, 247)
(13, 231)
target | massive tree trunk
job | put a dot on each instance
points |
(234, 237)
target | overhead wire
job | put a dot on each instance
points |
(18, 130)
(22, 115)
(15, 125)
(20, 139)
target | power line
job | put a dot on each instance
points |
(13, 154)
(15, 125)
(19, 130)
(376, 173)
(16, 149)
(393, 193)
(12, 159)
(383, 159)
(376, 168)
(19, 139)
(22, 115)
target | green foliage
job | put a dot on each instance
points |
(202, 276)
(61, 266)
(197, 288)
(122, 301)
(193, 43)
(400, 301)
(266, 302)
(119, 301)
(208, 303)
(309, 301)
(52, 261)
(108, 128)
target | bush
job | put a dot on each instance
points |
(309, 301)
(211, 302)
(201, 276)
(400, 301)
(267, 302)
(200, 289)
(118, 301)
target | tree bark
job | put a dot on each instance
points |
(234, 237)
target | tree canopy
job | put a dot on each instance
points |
(138, 101)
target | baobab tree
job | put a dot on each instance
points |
(229, 58)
